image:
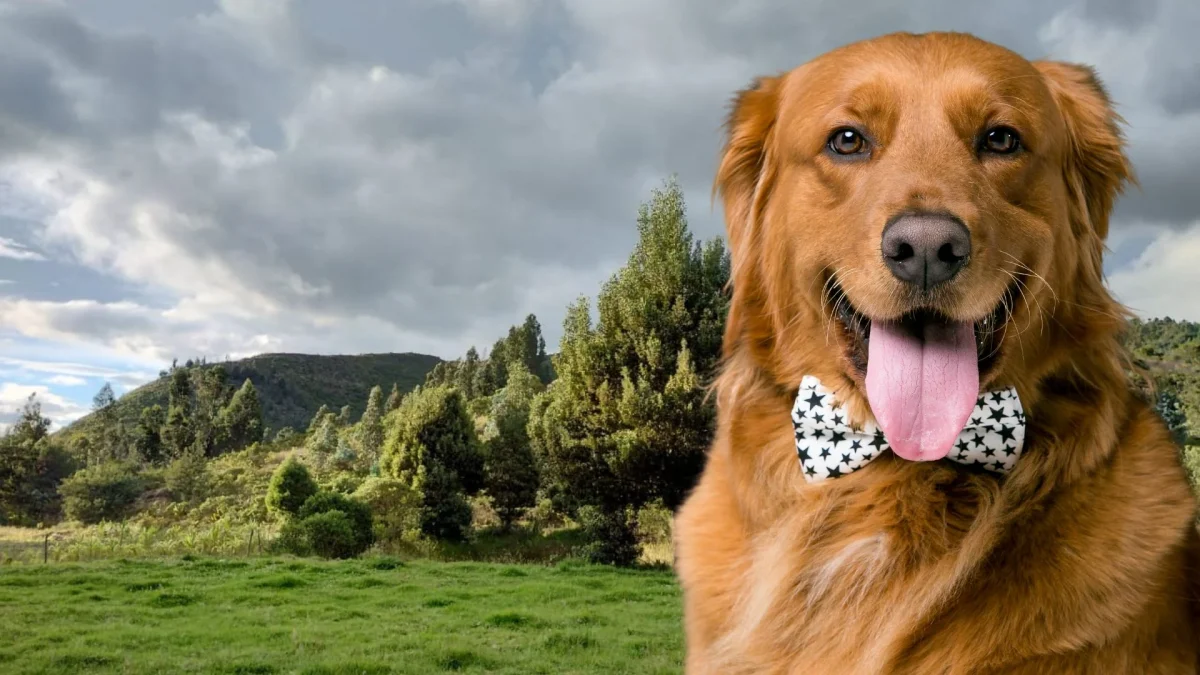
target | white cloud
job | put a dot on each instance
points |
(67, 380)
(16, 251)
(59, 410)
(273, 192)
(1162, 281)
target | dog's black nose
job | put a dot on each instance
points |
(926, 250)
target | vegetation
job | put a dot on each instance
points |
(506, 454)
(290, 387)
(375, 615)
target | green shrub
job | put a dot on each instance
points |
(611, 539)
(188, 477)
(331, 534)
(395, 507)
(357, 513)
(103, 492)
(291, 485)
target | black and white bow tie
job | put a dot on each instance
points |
(829, 447)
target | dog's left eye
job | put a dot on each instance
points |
(1001, 140)
(847, 142)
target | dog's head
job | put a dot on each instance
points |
(915, 218)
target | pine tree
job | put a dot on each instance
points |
(343, 417)
(177, 434)
(626, 420)
(148, 442)
(393, 400)
(240, 422)
(432, 447)
(465, 375)
(370, 427)
(318, 418)
(105, 410)
(511, 475)
(324, 440)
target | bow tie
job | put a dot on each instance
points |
(829, 447)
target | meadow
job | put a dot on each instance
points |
(368, 616)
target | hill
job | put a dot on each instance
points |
(292, 387)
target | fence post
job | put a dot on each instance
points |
(46, 549)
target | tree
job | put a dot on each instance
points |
(148, 441)
(433, 448)
(105, 411)
(178, 434)
(511, 475)
(240, 422)
(324, 440)
(358, 513)
(318, 418)
(626, 421)
(291, 485)
(1170, 408)
(210, 394)
(370, 426)
(393, 400)
(464, 377)
(32, 467)
(105, 492)
(343, 418)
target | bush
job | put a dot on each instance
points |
(104, 492)
(188, 477)
(357, 513)
(331, 534)
(446, 513)
(611, 539)
(291, 485)
(395, 507)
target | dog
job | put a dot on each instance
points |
(916, 222)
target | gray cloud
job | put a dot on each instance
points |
(422, 174)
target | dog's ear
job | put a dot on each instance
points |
(744, 179)
(745, 173)
(1097, 168)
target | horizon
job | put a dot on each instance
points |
(247, 177)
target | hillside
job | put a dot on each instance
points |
(292, 387)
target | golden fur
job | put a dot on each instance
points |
(1079, 561)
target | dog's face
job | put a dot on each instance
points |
(933, 190)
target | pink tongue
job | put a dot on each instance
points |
(922, 388)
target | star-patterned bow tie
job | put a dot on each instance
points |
(829, 447)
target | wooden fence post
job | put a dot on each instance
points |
(46, 549)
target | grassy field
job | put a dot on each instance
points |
(376, 615)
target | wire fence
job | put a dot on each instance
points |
(121, 540)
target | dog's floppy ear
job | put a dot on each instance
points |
(744, 179)
(744, 175)
(1097, 168)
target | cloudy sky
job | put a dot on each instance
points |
(184, 177)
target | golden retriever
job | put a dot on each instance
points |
(891, 206)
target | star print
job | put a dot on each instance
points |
(878, 441)
(827, 446)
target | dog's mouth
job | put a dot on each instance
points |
(922, 371)
(856, 329)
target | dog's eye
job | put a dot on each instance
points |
(1001, 140)
(847, 142)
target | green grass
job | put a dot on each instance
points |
(376, 615)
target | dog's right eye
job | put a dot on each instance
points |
(846, 141)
